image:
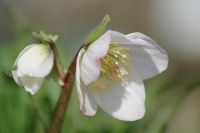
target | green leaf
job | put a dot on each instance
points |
(97, 31)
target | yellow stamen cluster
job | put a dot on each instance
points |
(114, 66)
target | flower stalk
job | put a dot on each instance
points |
(57, 60)
(68, 80)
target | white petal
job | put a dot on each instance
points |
(31, 84)
(87, 103)
(125, 100)
(90, 68)
(100, 47)
(15, 72)
(16, 77)
(149, 58)
(22, 52)
(138, 35)
(90, 64)
(36, 61)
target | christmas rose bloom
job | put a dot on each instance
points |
(111, 70)
(32, 65)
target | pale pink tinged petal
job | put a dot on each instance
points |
(100, 47)
(125, 100)
(90, 64)
(149, 58)
(90, 68)
(87, 103)
(138, 35)
(119, 38)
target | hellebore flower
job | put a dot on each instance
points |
(32, 65)
(110, 74)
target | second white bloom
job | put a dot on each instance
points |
(32, 65)
(110, 74)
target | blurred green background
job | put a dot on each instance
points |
(172, 98)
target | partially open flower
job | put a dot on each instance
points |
(110, 74)
(32, 65)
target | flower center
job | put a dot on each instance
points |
(114, 66)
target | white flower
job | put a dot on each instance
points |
(110, 74)
(32, 65)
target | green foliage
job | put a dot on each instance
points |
(97, 31)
